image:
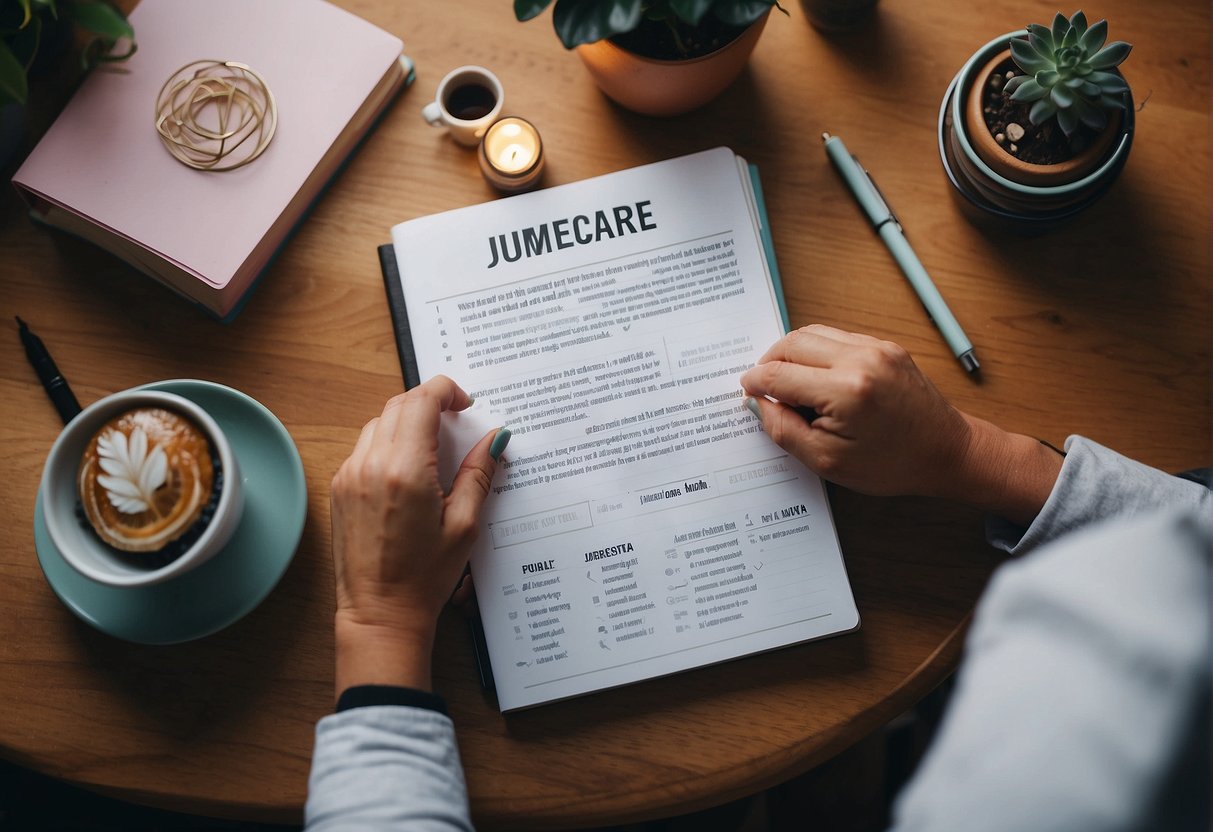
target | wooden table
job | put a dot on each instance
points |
(1099, 329)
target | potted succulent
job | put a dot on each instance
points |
(34, 35)
(658, 57)
(1039, 122)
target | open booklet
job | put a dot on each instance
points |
(641, 523)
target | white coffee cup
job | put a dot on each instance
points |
(468, 101)
(79, 546)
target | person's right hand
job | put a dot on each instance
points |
(884, 429)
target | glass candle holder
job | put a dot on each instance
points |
(511, 155)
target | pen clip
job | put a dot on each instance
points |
(879, 195)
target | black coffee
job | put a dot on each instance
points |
(470, 101)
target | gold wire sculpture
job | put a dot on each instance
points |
(216, 115)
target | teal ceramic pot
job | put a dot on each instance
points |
(987, 196)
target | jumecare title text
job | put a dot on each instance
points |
(571, 231)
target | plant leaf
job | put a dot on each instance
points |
(691, 11)
(1015, 83)
(25, 14)
(100, 50)
(1041, 111)
(1062, 96)
(1068, 121)
(1048, 77)
(1060, 27)
(1093, 39)
(1043, 47)
(1110, 56)
(1078, 25)
(101, 19)
(1071, 37)
(24, 43)
(1042, 33)
(742, 12)
(1029, 90)
(1108, 82)
(1090, 115)
(1028, 59)
(578, 21)
(1110, 101)
(527, 9)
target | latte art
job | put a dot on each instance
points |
(133, 472)
(145, 478)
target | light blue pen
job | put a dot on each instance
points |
(889, 229)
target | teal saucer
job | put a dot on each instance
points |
(233, 582)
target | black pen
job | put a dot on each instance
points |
(54, 382)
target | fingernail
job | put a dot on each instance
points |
(471, 400)
(752, 405)
(499, 442)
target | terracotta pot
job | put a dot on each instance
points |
(1012, 167)
(667, 88)
(1007, 192)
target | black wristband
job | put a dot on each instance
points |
(366, 696)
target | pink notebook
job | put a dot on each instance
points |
(102, 173)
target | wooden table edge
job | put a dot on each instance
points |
(672, 799)
(703, 792)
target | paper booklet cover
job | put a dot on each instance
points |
(641, 523)
(101, 171)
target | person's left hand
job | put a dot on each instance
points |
(400, 541)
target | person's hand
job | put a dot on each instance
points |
(400, 540)
(884, 429)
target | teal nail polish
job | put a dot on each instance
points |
(752, 405)
(499, 442)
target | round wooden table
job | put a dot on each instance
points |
(1099, 329)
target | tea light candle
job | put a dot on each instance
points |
(511, 155)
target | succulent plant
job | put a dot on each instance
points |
(1066, 73)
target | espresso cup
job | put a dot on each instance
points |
(469, 99)
(76, 541)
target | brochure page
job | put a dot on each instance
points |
(641, 522)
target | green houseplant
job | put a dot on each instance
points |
(35, 35)
(28, 27)
(658, 57)
(1039, 122)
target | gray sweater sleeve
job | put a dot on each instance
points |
(1098, 484)
(387, 767)
(1083, 701)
